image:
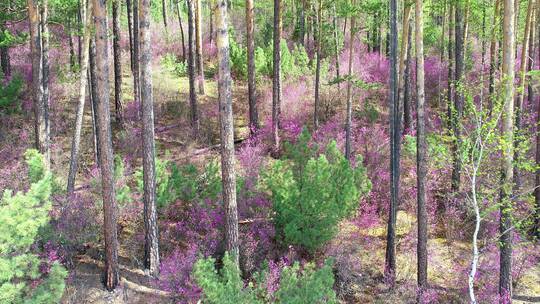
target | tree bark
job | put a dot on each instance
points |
(191, 68)
(227, 131)
(117, 52)
(276, 80)
(493, 54)
(336, 42)
(136, 69)
(111, 276)
(41, 117)
(129, 8)
(402, 58)
(451, 58)
(508, 73)
(421, 156)
(302, 23)
(92, 72)
(250, 41)
(198, 41)
(458, 96)
(318, 65)
(536, 226)
(348, 122)
(407, 111)
(151, 239)
(164, 13)
(83, 75)
(395, 134)
(5, 62)
(521, 90)
(179, 13)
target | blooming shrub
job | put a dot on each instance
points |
(297, 284)
(311, 194)
(22, 216)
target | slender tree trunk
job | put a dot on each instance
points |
(348, 122)
(402, 58)
(179, 13)
(44, 11)
(407, 111)
(198, 41)
(129, 8)
(40, 107)
(117, 52)
(151, 239)
(211, 22)
(276, 81)
(136, 69)
(83, 75)
(111, 276)
(505, 273)
(493, 54)
(302, 23)
(336, 41)
(227, 131)
(250, 41)
(458, 97)
(521, 90)
(450, 91)
(72, 58)
(191, 68)
(536, 229)
(395, 134)
(5, 62)
(318, 65)
(92, 72)
(421, 156)
(164, 13)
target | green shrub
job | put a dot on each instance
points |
(223, 287)
(22, 217)
(311, 194)
(10, 93)
(36, 166)
(173, 64)
(297, 285)
(238, 57)
(123, 192)
(184, 183)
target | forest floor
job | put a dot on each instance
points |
(363, 283)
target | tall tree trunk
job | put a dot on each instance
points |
(179, 13)
(336, 41)
(227, 131)
(505, 272)
(40, 107)
(493, 54)
(458, 96)
(250, 41)
(117, 52)
(348, 122)
(198, 41)
(86, 15)
(136, 69)
(407, 111)
(536, 229)
(395, 134)
(318, 42)
(211, 22)
(5, 61)
(521, 90)
(44, 11)
(129, 8)
(276, 80)
(72, 58)
(164, 13)
(402, 58)
(111, 276)
(302, 23)
(191, 68)
(93, 94)
(421, 161)
(451, 59)
(151, 239)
